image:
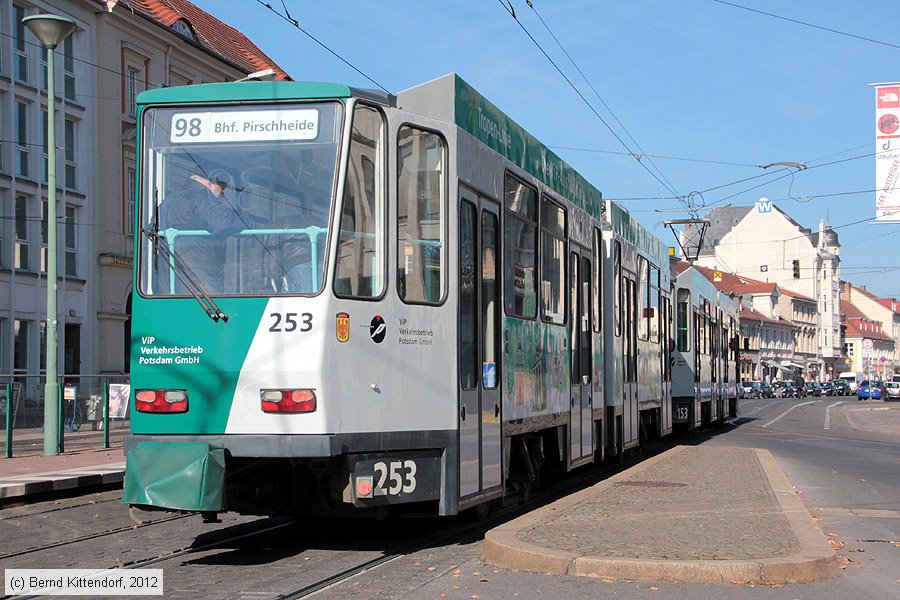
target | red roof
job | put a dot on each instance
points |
(755, 288)
(854, 331)
(890, 303)
(850, 311)
(211, 34)
(788, 292)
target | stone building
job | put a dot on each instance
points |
(120, 48)
(764, 243)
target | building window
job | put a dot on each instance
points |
(44, 146)
(20, 52)
(130, 183)
(20, 346)
(44, 236)
(70, 240)
(71, 179)
(21, 125)
(131, 91)
(22, 227)
(69, 67)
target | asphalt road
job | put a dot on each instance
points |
(843, 455)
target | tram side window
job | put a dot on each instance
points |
(421, 216)
(468, 335)
(360, 253)
(553, 262)
(652, 304)
(643, 300)
(683, 322)
(617, 293)
(598, 281)
(520, 243)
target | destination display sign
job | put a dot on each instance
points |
(245, 125)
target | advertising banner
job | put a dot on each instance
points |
(887, 152)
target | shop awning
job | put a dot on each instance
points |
(791, 365)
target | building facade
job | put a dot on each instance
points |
(119, 49)
(766, 244)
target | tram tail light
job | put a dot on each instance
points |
(161, 401)
(288, 401)
(364, 487)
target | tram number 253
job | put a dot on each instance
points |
(411, 476)
(395, 477)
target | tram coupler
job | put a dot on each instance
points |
(210, 516)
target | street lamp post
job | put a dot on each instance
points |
(51, 30)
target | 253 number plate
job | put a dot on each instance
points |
(397, 477)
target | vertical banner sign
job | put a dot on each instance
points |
(887, 152)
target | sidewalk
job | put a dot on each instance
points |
(28, 475)
(694, 514)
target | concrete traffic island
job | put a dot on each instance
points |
(692, 514)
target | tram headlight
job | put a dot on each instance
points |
(288, 401)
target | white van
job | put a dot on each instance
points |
(853, 378)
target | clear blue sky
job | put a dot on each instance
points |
(692, 79)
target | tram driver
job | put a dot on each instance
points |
(202, 215)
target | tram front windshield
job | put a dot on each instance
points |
(237, 201)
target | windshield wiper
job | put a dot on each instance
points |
(187, 277)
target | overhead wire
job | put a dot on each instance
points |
(296, 24)
(596, 93)
(804, 23)
(509, 9)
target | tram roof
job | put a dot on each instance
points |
(450, 98)
(247, 91)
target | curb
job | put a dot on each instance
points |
(815, 561)
(41, 483)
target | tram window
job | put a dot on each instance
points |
(643, 300)
(617, 293)
(520, 243)
(683, 320)
(490, 293)
(359, 271)
(652, 304)
(468, 357)
(421, 216)
(553, 262)
(598, 281)
(585, 320)
(574, 330)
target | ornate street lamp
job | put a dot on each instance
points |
(51, 30)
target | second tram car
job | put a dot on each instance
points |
(705, 363)
(379, 301)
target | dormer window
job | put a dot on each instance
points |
(182, 27)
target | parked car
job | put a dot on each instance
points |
(828, 389)
(892, 389)
(841, 387)
(766, 390)
(813, 388)
(870, 390)
(751, 389)
(790, 389)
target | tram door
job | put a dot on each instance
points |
(479, 347)
(580, 405)
(630, 413)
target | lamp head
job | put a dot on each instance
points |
(51, 30)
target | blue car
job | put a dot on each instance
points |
(870, 389)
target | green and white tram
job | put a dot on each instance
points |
(405, 305)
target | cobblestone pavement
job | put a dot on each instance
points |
(692, 506)
(873, 416)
